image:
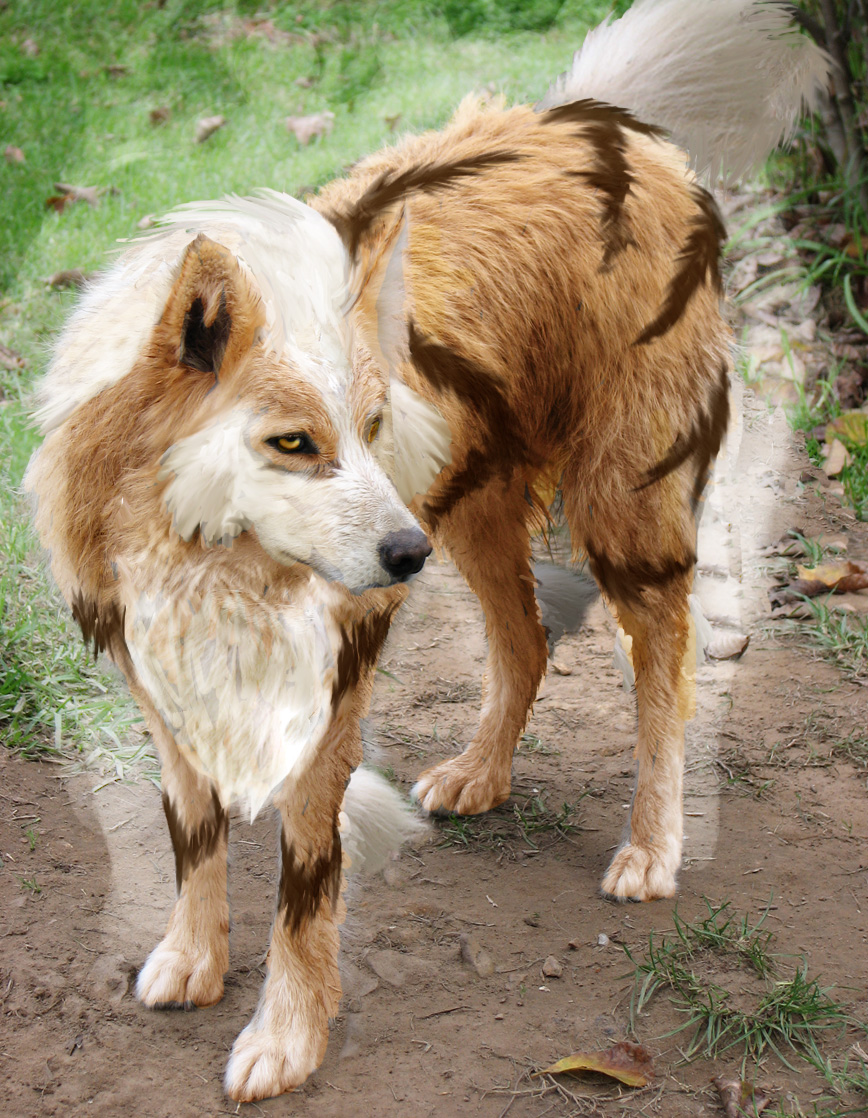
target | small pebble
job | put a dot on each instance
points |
(602, 940)
(552, 968)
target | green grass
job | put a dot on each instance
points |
(517, 822)
(77, 87)
(841, 637)
(723, 978)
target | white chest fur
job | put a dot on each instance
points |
(244, 685)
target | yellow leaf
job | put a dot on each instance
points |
(626, 1062)
(852, 425)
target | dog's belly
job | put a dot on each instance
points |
(245, 687)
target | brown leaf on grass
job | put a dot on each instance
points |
(12, 154)
(837, 457)
(58, 202)
(207, 126)
(69, 277)
(307, 128)
(159, 115)
(89, 194)
(740, 1099)
(30, 47)
(842, 577)
(116, 70)
(628, 1063)
(852, 425)
(9, 359)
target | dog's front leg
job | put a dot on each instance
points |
(186, 968)
(487, 537)
(287, 1037)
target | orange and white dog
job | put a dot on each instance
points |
(241, 410)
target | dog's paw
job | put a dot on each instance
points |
(176, 977)
(637, 874)
(265, 1063)
(461, 785)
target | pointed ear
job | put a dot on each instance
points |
(212, 308)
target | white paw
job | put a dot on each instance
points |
(265, 1063)
(639, 874)
(173, 977)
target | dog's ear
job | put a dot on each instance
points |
(421, 436)
(211, 309)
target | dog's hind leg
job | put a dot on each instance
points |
(186, 968)
(287, 1036)
(486, 535)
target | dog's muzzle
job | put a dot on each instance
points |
(403, 553)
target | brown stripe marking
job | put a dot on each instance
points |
(625, 582)
(360, 649)
(604, 127)
(703, 442)
(699, 258)
(302, 887)
(390, 187)
(105, 629)
(192, 849)
(502, 447)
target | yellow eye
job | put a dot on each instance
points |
(289, 442)
(373, 430)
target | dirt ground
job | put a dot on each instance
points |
(776, 821)
(773, 821)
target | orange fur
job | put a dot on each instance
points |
(524, 306)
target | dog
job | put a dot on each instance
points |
(240, 412)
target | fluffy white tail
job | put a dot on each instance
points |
(727, 78)
(375, 820)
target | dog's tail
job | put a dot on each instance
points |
(375, 821)
(727, 78)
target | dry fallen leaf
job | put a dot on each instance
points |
(30, 47)
(837, 457)
(727, 646)
(841, 577)
(14, 154)
(207, 126)
(89, 194)
(159, 115)
(628, 1063)
(740, 1099)
(852, 425)
(70, 277)
(307, 128)
(116, 70)
(9, 359)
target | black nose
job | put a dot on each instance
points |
(404, 553)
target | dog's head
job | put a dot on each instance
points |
(281, 438)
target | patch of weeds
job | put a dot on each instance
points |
(515, 821)
(740, 775)
(466, 17)
(854, 746)
(447, 692)
(722, 976)
(530, 743)
(30, 884)
(31, 838)
(841, 637)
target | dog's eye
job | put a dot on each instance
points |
(296, 443)
(374, 430)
